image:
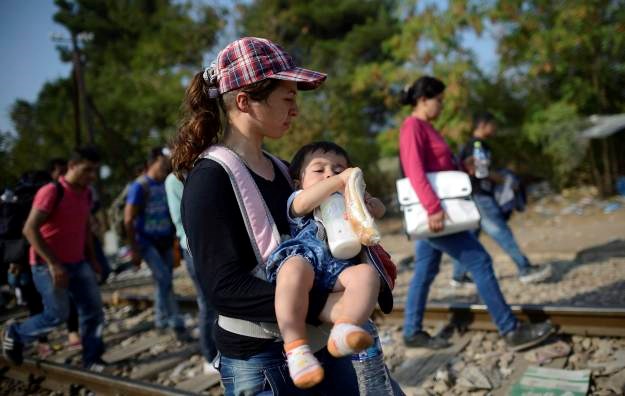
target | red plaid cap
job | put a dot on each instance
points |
(251, 59)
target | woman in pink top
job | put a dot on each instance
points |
(423, 150)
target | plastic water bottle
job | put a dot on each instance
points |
(373, 379)
(342, 240)
(481, 160)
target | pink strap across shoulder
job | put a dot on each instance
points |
(259, 223)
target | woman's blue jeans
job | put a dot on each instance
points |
(463, 247)
(493, 222)
(267, 373)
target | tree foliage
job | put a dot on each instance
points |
(340, 38)
(136, 65)
(558, 62)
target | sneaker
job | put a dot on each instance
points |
(536, 274)
(422, 339)
(11, 347)
(527, 335)
(464, 283)
(97, 366)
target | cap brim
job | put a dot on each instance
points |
(306, 79)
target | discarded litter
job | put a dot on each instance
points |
(541, 381)
(548, 352)
(611, 207)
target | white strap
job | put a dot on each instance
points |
(246, 328)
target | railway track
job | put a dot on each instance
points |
(587, 321)
(68, 380)
(584, 321)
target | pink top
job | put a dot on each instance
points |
(65, 230)
(421, 150)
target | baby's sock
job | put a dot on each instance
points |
(304, 367)
(347, 339)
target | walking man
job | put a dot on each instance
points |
(493, 221)
(63, 263)
(151, 236)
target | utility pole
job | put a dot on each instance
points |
(82, 91)
(76, 96)
(82, 111)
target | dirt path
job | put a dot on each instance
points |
(586, 251)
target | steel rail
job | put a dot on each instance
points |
(58, 377)
(584, 321)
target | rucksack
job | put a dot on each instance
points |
(13, 215)
(115, 212)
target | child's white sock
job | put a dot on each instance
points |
(347, 339)
(304, 367)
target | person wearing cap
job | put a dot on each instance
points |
(249, 94)
(150, 234)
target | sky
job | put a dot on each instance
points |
(29, 56)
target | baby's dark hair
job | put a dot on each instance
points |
(300, 156)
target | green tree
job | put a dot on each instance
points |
(136, 67)
(339, 38)
(565, 61)
(430, 42)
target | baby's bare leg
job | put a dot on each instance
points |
(361, 285)
(294, 281)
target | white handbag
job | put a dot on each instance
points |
(453, 188)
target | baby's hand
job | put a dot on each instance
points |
(375, 206)
(345, 175)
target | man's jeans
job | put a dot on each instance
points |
(84, 291)
(465, 248)
(166, 307)
(206, 315)
(493, 223)
(267, 373)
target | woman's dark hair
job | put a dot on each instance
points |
(482, 117)
(300, 156)
(425, 87)
(204, 121)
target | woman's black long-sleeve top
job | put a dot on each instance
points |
(223, 256)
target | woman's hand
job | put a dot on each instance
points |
(436, 221)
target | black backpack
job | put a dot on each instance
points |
(13, 215)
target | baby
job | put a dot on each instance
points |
(319, 170)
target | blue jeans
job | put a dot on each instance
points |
(84, 291)
(105, 266)
(267, 373)
(206, 315)
(162, 265)
(493, 223)
(465, 248)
